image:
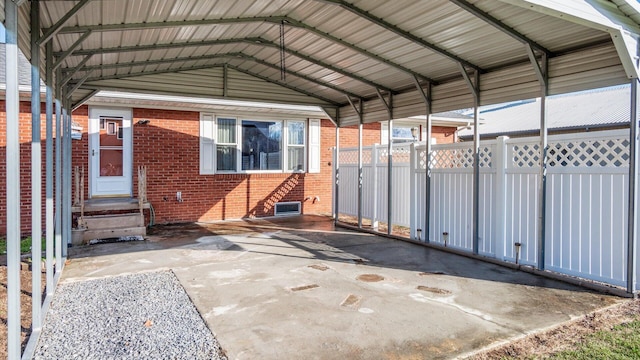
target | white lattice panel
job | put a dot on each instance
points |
(452, 159)
(485, 154)
(366, 156)
(422, 159)
(525, 155)
(383, 155)
(401, 154)
(348, 157)
(589, 153)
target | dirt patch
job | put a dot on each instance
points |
(320, 267)
(25, 308)
(305, 287)
(370, 278)
(433, 290)
(565, 336)
(351, 301)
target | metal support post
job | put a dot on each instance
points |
(336, 165)
(13, 180)
(389, 106)
(426, 97)
(632, 231)
(476, 165)
(66, 188)
(541, 70)
(49, 169)
(36, 171)
(58, 181)
(360, 171)
(474, 86)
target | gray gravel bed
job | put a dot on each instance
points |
(141, 316)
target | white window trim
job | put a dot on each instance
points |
(206, 140)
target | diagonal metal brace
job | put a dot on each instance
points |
(52, 31)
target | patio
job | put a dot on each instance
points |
(298, 287)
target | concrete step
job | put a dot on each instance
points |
(113, 233)
(116, 221)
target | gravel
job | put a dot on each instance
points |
(141, 316)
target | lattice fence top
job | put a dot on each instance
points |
(525, 155)
(452, 158)
(401, 154)
(422, 158)
(486, 153)
(348, 157)
(589, 153)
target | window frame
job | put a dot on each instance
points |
(216, 143)
(284, 151)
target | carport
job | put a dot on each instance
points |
(360, 61)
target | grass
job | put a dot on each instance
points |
(621, 342)
(25, 245)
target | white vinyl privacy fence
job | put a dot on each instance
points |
(586, 198)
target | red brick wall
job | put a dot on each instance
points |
(169, 146)
(444, 134)
(25, 165)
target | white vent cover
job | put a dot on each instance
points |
(288, 208)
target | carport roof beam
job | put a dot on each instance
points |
(288, 21)
(75, 70)
(254, 41)
(398, 31)
(294, 88)
(238, 55)
(81, 102)
(486, 17)
(52, 31)
(70, 50)
(201, 67)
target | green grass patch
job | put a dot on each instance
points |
(25, 245)
(621, 342)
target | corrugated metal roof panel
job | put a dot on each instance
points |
(438, 21)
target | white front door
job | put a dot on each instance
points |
(110, 152)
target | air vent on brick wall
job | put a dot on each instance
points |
(288, 208)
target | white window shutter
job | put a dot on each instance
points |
(207, 144)
(314, 145)
(384, 133)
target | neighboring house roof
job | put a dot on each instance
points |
(24, 68)
(600, 108)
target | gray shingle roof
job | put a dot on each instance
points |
(24, 68)
(598, 108)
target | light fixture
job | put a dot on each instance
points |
(414, 133)
(143, 121)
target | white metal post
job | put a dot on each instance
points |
(476, 164)
(58, 181)
(336, 165)
(500, 190)
(66, 188)
(544, 145)
(49, 170)
(426, 97)
(36, 172)
(632, 231)
(13, 180)
(413, 191)
(360, 171)
(374, 167)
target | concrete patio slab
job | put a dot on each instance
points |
(299, 288)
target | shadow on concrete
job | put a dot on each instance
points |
(316, 238)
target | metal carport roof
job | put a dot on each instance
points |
(323, 52)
